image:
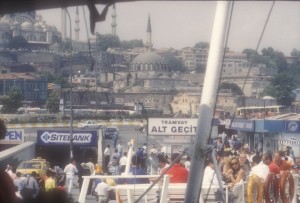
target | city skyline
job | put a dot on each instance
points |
(183, 24)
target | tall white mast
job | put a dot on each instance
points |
(208, 100)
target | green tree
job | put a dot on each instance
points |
(295, 53)
(201, 68)
(135, 43)
(277, 57)
(176, 64)
(202, 45)
(103, 42)
(281, 88)
(52, 104)
(234, 88)
(250, 53)
(254, 58)
(270, 52)
(56, 79)
(17, 42)
(12, 102)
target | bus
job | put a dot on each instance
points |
(259, 112)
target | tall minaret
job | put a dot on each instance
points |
(149, 44)
(77, 29)
(63, 24)
(114, 21)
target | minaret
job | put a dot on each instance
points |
(63, 24)
(77, 29)
(149, 35)
(114, 21)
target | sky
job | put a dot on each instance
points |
(182, 24)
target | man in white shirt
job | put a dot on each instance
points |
(70, 171)
(120, 148)
(187, 163)
(102, 191)
(258, 175)
(123, 162)
(106, 154)
(209, 176)
(260, 169)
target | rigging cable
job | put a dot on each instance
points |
(252, 62)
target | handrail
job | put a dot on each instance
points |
(165, 187)
(86, 181)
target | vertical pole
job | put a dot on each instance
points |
(71, 90)
(129, 155)
(208, 100)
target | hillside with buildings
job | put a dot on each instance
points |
(140, 79)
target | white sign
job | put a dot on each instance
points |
(172, 126)
(13, 136)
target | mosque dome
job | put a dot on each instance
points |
(149, 61)
(148, 57)
(27, 26)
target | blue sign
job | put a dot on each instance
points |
(13, 136)
(292, 126)
(62, 137)
(242, 124)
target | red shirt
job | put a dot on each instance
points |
(178, 174)
(274, 168)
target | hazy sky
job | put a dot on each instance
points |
(182, 24)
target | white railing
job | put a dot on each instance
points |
(166, 187)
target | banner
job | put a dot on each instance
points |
(13, 136)
(240, 124)
(62, 137)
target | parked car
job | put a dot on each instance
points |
(109, 131)
(89, 125)
(39, 165)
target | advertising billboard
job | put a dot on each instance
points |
(62, 137)
(13, 136)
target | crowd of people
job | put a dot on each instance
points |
(235, 162)
(29, 188)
